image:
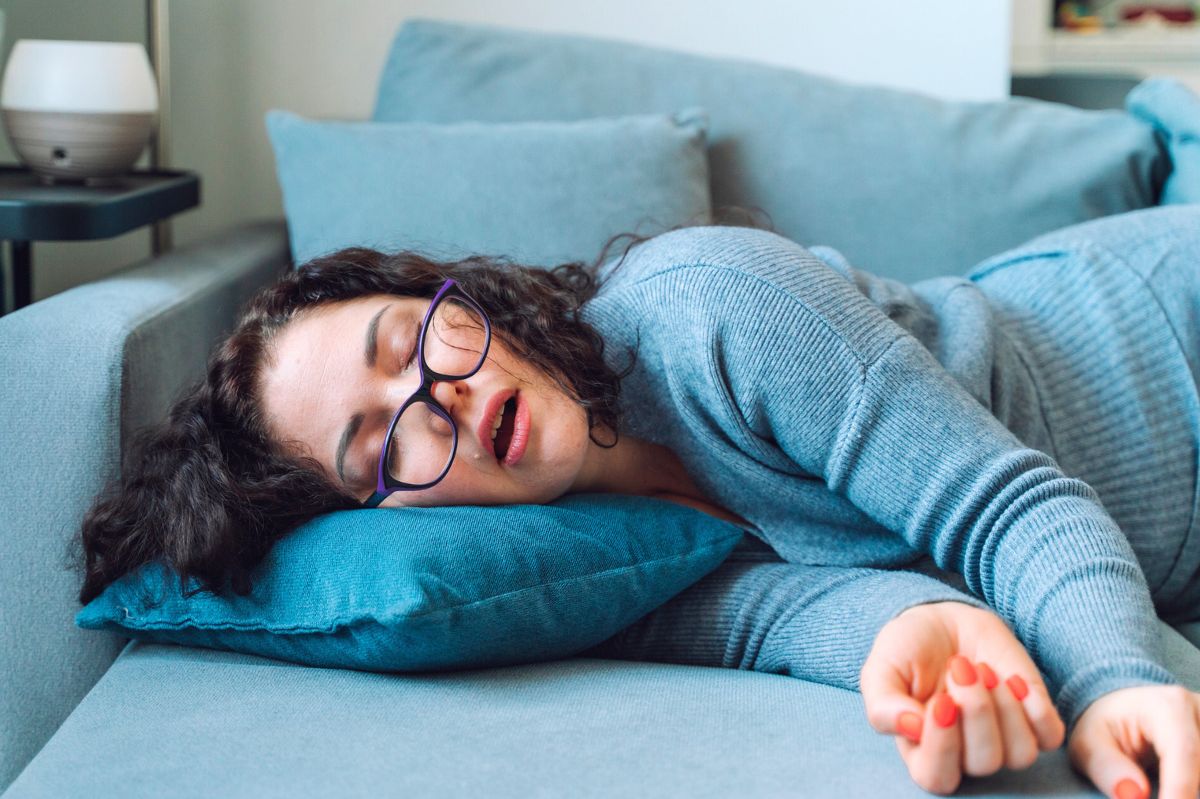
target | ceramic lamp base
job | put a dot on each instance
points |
(93, 148)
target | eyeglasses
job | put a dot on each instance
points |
(414, 455)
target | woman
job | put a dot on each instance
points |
(791, 394)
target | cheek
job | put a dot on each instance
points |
(468, 480)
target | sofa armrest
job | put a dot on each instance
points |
(79, 372)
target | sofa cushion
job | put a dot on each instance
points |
(905, 185)
(1174, 111)
(416, 588)
(241, 726)
(541, 193)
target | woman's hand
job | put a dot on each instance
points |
(996, 712)
(1131, 729)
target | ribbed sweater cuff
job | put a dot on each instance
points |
(834, 649)
(1091, 625)
(1087, 686)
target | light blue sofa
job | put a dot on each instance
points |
(91, 714)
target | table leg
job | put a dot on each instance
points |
(22, 275)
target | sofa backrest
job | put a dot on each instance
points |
(905, 185)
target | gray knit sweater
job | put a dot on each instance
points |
(863, 426)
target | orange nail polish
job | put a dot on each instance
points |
(1128, 789)
(909, 724)
(945, 712)
(1018, 687)
(990, 680)
(962, 671)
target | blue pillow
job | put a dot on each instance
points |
(541, 193)
(416, 588)
(1174, 111)
(905, 185)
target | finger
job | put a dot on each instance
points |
(890, 709)
(908, 753)
(1105, 764)
(936, 763)
(983, 746)
(1177, 742)
(1020, 741)
(1031, 692)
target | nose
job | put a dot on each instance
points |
(448, 392)
(445, 392)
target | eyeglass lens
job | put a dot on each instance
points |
(421, 445)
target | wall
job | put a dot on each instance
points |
(231, 60)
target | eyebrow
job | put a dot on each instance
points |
(373, 337)
(371, 348)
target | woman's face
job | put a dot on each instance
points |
(325, 369)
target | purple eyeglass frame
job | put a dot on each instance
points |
(385, 486)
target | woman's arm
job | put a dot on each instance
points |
(812, 365)
(758, 613)
(893, 635)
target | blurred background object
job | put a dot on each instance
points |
(1072, 39)
(78, 111)
(1093, 15)
(1094, 90)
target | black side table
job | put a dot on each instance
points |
(32, 211)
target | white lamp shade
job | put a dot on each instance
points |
(87, 77)
(78, 110)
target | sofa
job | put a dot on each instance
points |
(94, 714)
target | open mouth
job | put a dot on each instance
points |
(508, 423)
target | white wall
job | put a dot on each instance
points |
(231, 60)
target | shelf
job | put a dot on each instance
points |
(33, 211)
(1158, 45)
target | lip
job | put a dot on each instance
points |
(520, 436)
(484, 428)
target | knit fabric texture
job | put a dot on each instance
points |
(862, 425)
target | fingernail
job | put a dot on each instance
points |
(909, 724)
(962, 670)
(990, 680)
(945, 712)
(1128, 789)
(1018, 687)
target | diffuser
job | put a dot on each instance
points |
(78, 111)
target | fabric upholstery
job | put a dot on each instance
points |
(541, 193)
(1174, 111)
(905, 185)
(410, 589)
(173, 721)
(77, 370)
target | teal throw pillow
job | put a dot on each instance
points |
(1174, 111)
(540, 193)
(452, 587)
(905, 185)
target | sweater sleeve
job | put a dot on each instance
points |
(817, 623)
(852, 397)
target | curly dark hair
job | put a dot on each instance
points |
(207, 492)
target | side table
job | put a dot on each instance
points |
(32, 211)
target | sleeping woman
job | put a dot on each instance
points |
(949, 488)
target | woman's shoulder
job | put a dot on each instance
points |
(672, 254)
(744, 286)
(723, 269)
